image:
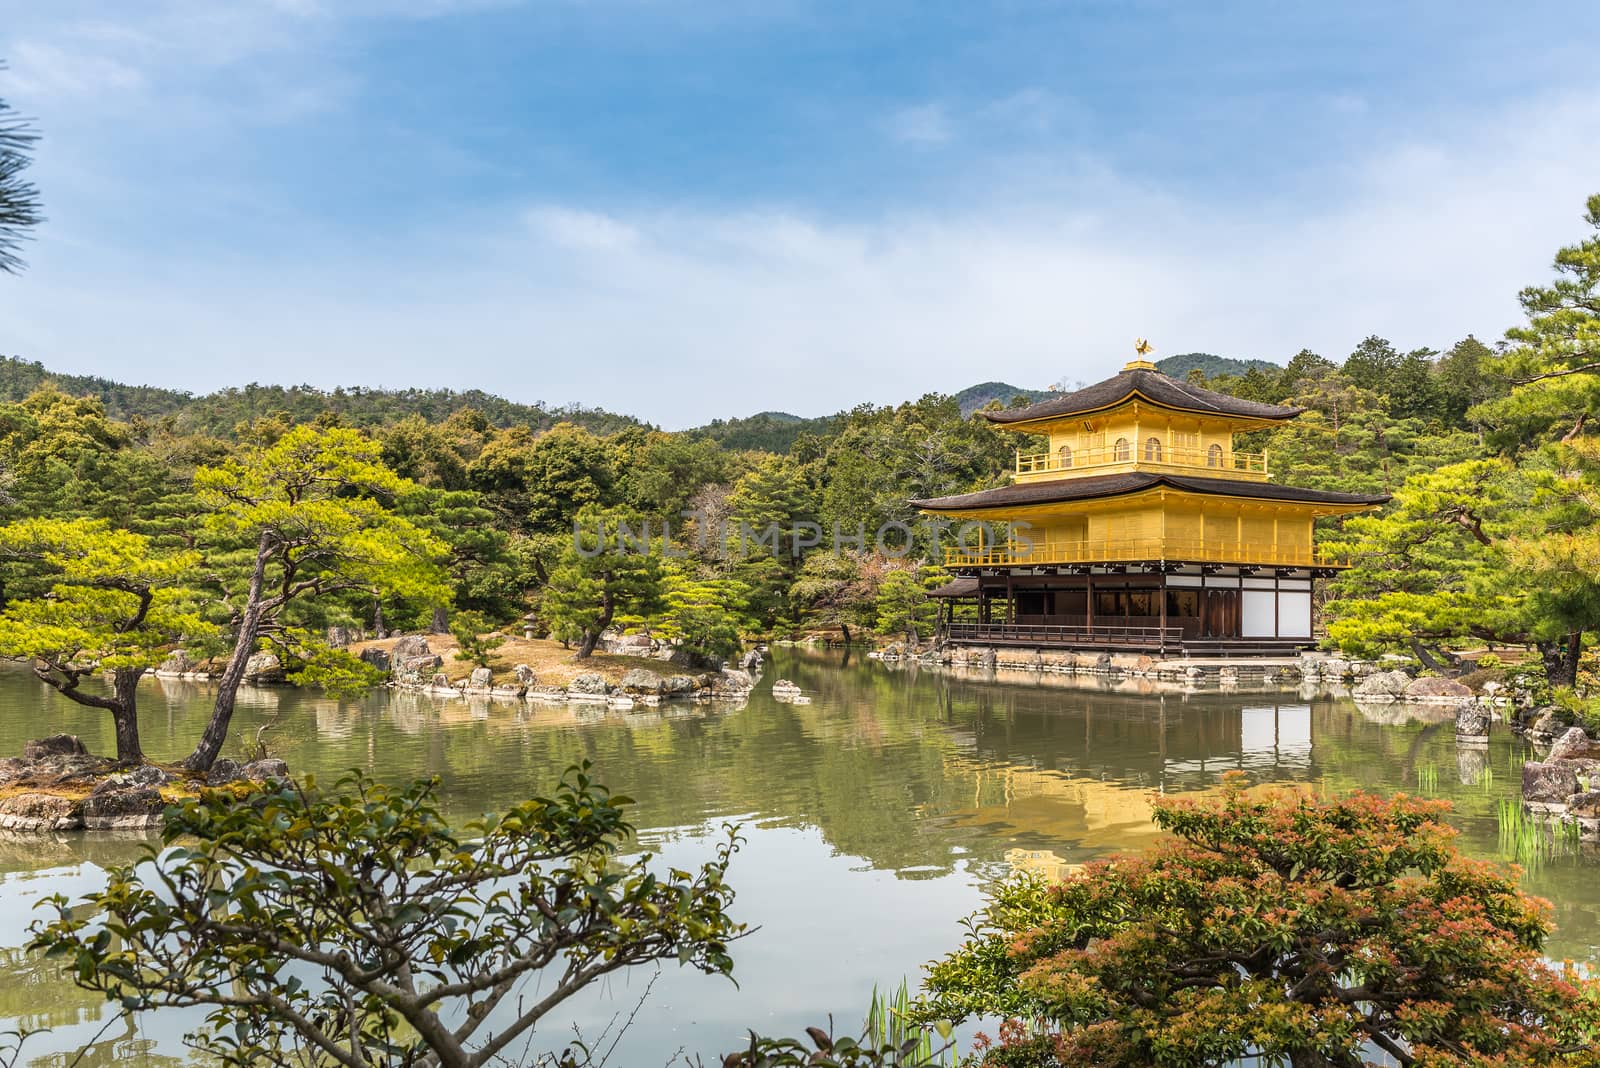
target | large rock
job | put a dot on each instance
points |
(267, 769)
(1545, 722)
(131, 808)
(378, 658)
(338, 637)
(1586, 804)
(1472, 719)
(146, 775)
(678, 685)
(524, 675)
(410, 645)
(1573, 744)
(733, 681)
(629, 645)
(178, 662)
(1435, 688)
(222, 771)
(263, 667)
(480, 679)
(421, 663)
(41, 812)
(1382, 686)
(640, 680)
(56, 745)
(1548, 783)
(589, 683)
(12, 769)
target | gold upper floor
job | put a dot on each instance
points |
(1139, 436)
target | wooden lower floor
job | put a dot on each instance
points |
(1196, 609)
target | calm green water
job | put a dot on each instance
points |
(874, 815)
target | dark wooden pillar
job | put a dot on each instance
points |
(1161, 594)
(1011, 600)
(1088, 604)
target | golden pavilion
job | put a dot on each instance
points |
(1141, 527)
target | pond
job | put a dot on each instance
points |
(874, 816)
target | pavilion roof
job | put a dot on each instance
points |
(1095, 487)
(1154, 387)
(960, 587)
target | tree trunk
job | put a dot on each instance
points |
(591, 635)
(244, 647)
(844, 628)
(125, 714)
(441, 621)
(1561, 659)
(378, 628)
(1425, 655)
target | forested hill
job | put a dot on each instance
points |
(19, 377)
(1211, 366)
(222, 412)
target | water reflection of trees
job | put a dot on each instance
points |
(916, 771)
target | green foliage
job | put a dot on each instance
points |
(317, 507)
(20, 210)
(1555, 359)
(602, 572)
(1433, 567)
(335, 672)
(823, 1049)
(105, 600)
(701, 615)
(1279, 926)
(113, 598)
(472, 633)
(355, 926)
(296, 524)
(836, 590)
(902, 604)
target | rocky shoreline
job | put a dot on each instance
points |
(58, 785)
(412, 665)
(1565, 785)
(1368, 681)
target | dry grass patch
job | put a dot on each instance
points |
(552, 664)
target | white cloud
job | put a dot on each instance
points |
(925, 124)
(585, 231)
(40, 69)
(1049, 269)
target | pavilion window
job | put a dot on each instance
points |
(1214, 456)
(1031, 602)
(1064, 456)
(1121, 450)
(1152, 450)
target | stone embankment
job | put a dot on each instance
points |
(413, 666)
(57, 785)
(1565, 785)
(1369, 678)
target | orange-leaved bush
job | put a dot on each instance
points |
(1279, 926)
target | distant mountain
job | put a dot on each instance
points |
(979, 396)
(223, 411)
(1180, 365)
(764, 431)
(19, 377)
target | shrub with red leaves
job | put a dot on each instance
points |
(1279, 926)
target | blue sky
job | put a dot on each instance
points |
(686, 210)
